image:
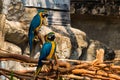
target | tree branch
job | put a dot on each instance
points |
(16, 57)
(77, 70)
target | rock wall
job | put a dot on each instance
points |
(102, 28)
(17, 24)
(71, 42)
(99, 19)
(2, 25)
(96, 7)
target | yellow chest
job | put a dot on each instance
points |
(41, 20)
(52, 51)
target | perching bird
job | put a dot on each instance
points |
(36, 23)
(47, 52)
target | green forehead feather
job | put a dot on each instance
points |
(51, 33)
(41, 10)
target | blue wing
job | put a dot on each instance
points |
(44, 52)
(34, 24)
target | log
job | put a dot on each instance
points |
(99, 57)
(17, 57)
(64, 68)
(2, 25)
(101, 73)
(17, 74)
(96, 77)
(2, 73)
(72, 76)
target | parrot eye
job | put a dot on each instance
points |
(51, 37)
(45, 15)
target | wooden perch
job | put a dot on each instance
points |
(100, 72)
(17, 57)
(16, 74)
(99, 57)
(96, 69)
(71, 76)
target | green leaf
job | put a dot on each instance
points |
(11, 75)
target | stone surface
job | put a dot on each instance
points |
(102, 28)
(13, 65)
(71, 43)
(89, 53)
(2, 25)
(96, 7)
(1, 40)
(14, 32)
(66, 47)
(12, 48)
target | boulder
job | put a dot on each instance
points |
(69, 41)
(13, 65)
(89, 53)
(12, 48)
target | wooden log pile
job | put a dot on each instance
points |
(65, 68)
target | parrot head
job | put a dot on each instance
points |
(50, 36)
(43, 12)
(43, 15)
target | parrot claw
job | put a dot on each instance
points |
(45, 68)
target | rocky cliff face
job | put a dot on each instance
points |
(16, 30)
(96, 7)
(71, 43)
(99, 19)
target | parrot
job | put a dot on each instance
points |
(35, 25)
(47, 51)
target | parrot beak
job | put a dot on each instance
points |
(45, 15)
(51, 37)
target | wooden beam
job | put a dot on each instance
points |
(48, 9)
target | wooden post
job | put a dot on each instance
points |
(2, 33)
(1, 39)
(99, 57)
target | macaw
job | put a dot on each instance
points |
(36, 23)
(47, 51)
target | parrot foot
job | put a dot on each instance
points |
(45, 68)
(36, 38)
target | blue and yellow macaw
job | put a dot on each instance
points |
(47, 52)
(36, 23)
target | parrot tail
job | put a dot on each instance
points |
(38, 69)
(31, 37)
(37, 72)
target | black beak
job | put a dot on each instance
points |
(51, 37)
(45, 15)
